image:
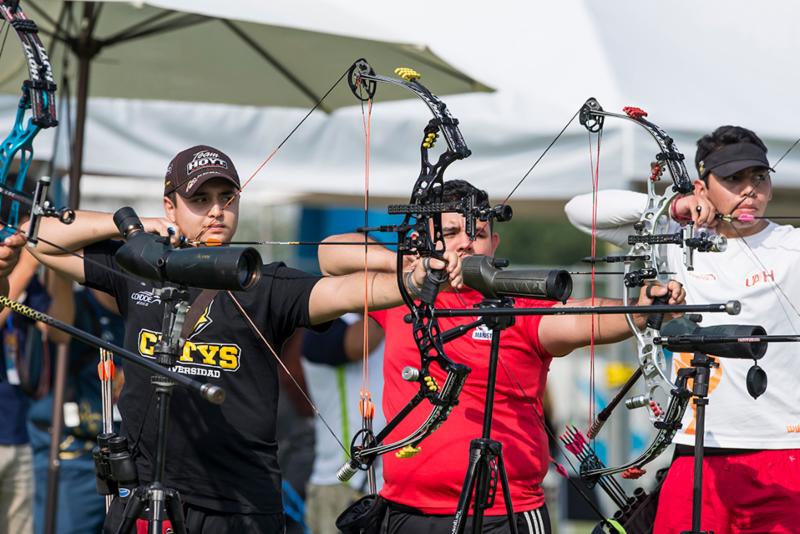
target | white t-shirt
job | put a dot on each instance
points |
(761, 272)
(335, 390)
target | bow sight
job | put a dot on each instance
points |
(466, 207)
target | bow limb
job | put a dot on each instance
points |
(36, 111)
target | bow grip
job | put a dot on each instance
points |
(430, 288)
(654, 320)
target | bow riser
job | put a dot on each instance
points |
(651, 357)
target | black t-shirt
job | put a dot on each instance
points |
(219, 457)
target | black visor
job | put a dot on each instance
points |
(731, 159)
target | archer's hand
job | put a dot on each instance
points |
(163, 227)
(673, 291)
(451, 266)
(10, 250)
(698, 208)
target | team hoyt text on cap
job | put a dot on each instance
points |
(193, 167)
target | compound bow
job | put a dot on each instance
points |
(419, 235)
(646, 261)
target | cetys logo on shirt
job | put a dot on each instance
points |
(205, 358)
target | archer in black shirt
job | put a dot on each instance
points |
(222, 459)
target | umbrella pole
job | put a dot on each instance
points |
(76, 167)
(83, 50)
(56, 431)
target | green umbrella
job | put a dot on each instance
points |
(176, 50)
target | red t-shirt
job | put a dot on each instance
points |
(431, 481)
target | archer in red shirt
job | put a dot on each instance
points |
(423, 490)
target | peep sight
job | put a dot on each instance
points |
(152, 257)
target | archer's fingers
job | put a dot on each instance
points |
(14, 241)
(677, 294)
(165, 228)
(455, 273)
(450, 263)
(453, 269)
(453, 262)
(653, 291)
(9, 253)
(705, 214)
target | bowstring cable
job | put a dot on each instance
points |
(594, 168)
(272, 154)
(365, 405)
(274, 353)
(544, 152)
(786, 153)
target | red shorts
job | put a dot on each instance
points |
(752, 493)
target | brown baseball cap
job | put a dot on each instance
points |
(193, 167)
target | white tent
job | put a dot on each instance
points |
(692, 66)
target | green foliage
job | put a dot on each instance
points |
(532, 240)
